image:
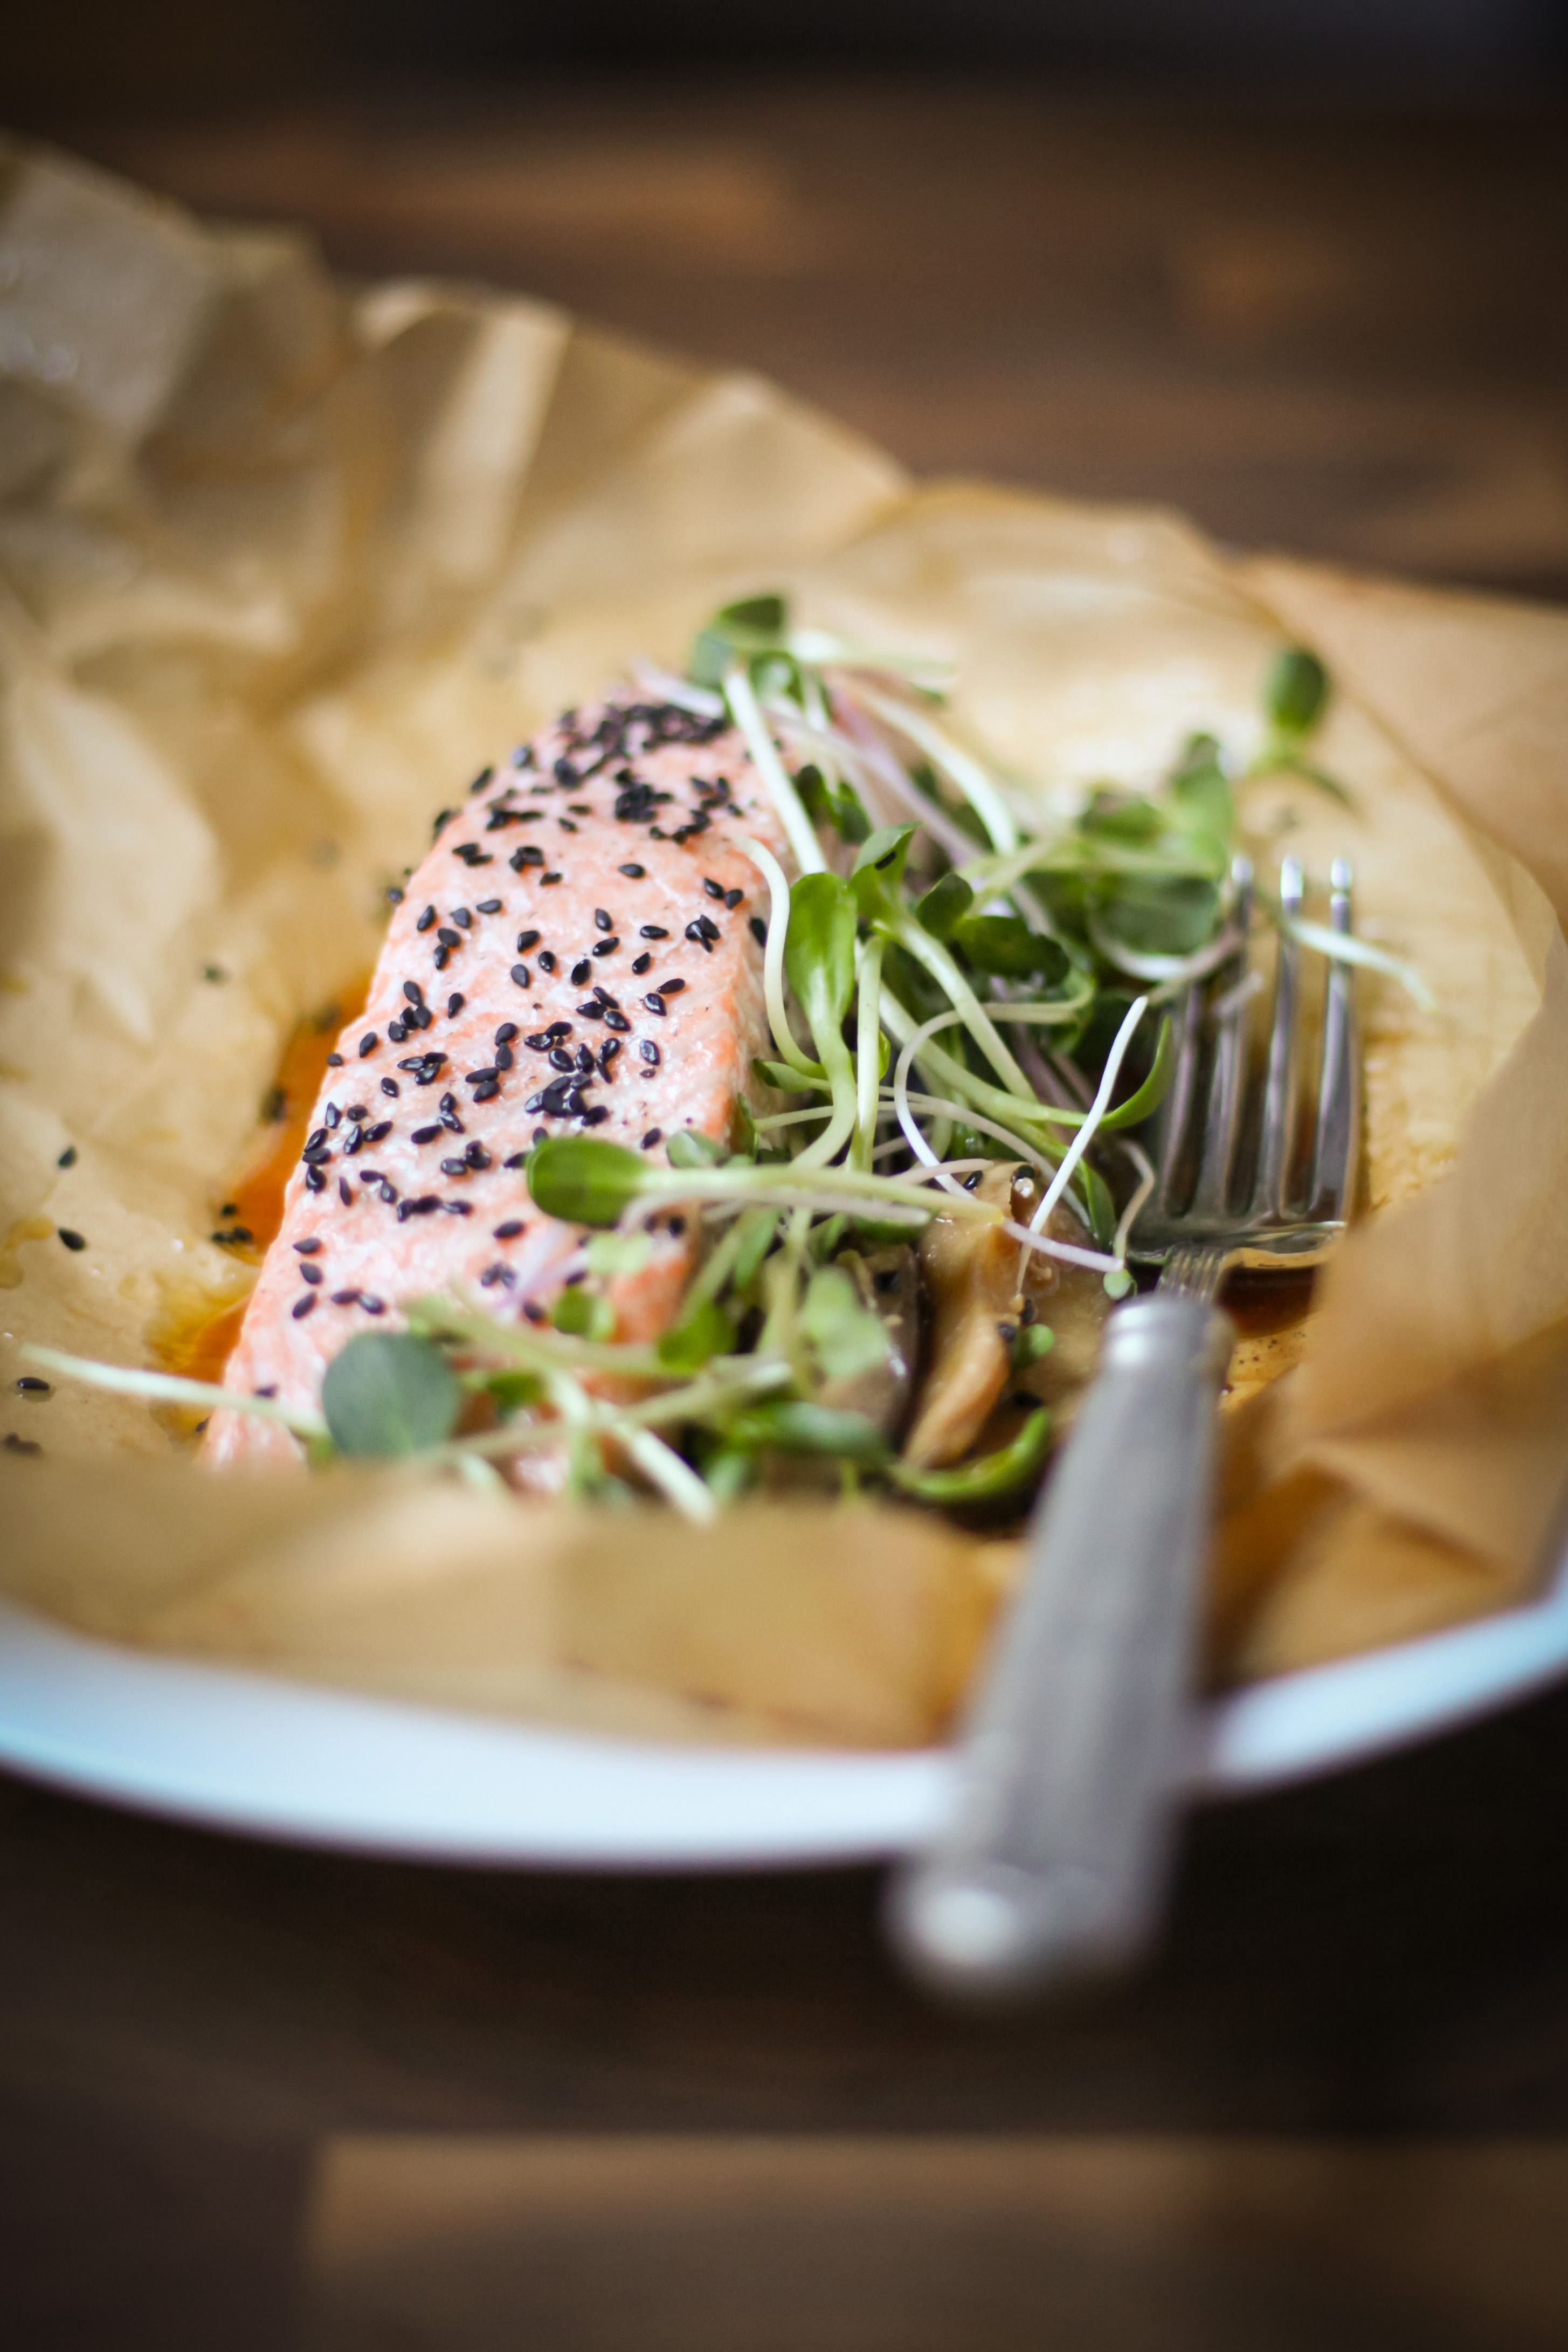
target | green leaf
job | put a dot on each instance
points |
(841, 809)
(1097, 1199)
(748, 627)
(789, 1081)
(877, 878)
(847, 1336)
(820, 952)
(619, 1253)
(1120, 816)
(512, 1391)
(584, 1313)
(687, 1148)
(1005, 945)
(944, 904)
(386, 1392)
(1295, 691)
(687, 1345)
(1152, 1093)
(993, 1474)
(583, 1181)
(758, 1225)
(802, 1428)
(1161, 914)
(1200, 793)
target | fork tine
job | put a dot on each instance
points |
(1338, 1125)
(1178, 1103)
(1222, 1124)
(1277, 1131)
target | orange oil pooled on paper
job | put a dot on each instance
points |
(198, 1347)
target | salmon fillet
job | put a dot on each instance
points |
(581, 951)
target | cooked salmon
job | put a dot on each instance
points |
(580, 952)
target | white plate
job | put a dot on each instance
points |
(282, 1759)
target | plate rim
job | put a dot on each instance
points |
(238, 1749)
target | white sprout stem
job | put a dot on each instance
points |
(742, 701)
(868, 1050)
(167, 1388)
(1146, 1185)
(857, 734)
(1348, 947)
(956, 763)
(1097, 1109)
(773, 956)
(931, 952)
(1172, 971)
(678, 691)
(793, 1118)
(663, 1468)
(937, 1106)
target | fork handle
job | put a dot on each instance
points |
(1056, 1854)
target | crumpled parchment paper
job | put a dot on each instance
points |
(282, 565)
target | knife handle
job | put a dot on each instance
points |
(1055, 1857)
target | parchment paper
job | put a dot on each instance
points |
(282, 565)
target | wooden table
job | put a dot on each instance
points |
(704, 2113)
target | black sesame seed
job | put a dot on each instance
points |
(522, 975)
(502, 1057)
(455, 1004)
(488, 905)
(633, 873)
(397, 1031)
(487, 1092)
(332, 1115)
(463, 919)
(302, 1306)
(671, 987)
(655, 1135)
(449, 937)
(527, 939)
(715, 889)
(653, 931)
(372, 1306)
(615, 1018)
(566, 825)
(394, 896)
(14, 1444)
(67, 1158)
(31, 1385)
(605, 947)
(644, 962)
(655, 1003)
(345, 1298)
(389, 1086)
(481, 780)
(538, 1136)
(311, 1274)
(458, 1208)
(516, 1161)
(344, 1192)
(415, 993)
(506, 1032)
(73, 1241)
(531, 1308)
(477, 1157)
(307, 1249)
(452, 1123)
(368, 1044)
(378, 1133)
(334, 1061)
(549, 878)
(677, 1224)
(455, 1168)
(425, 919)
(733, 899)
(601, 921)
(585, 1059)
(592, 1117)
(425, 1134)
(546, 959)
(648, 1050)
(591, 1009)
(507, 1232)
(560, 1059)
(580, 973)
(759, 930)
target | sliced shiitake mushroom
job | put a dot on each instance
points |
(983, 1288)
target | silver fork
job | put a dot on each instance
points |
(1056, 1856)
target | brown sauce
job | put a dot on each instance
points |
(198, 1348)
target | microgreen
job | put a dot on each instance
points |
(387, 1393)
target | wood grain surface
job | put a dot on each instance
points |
(244, 2090)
